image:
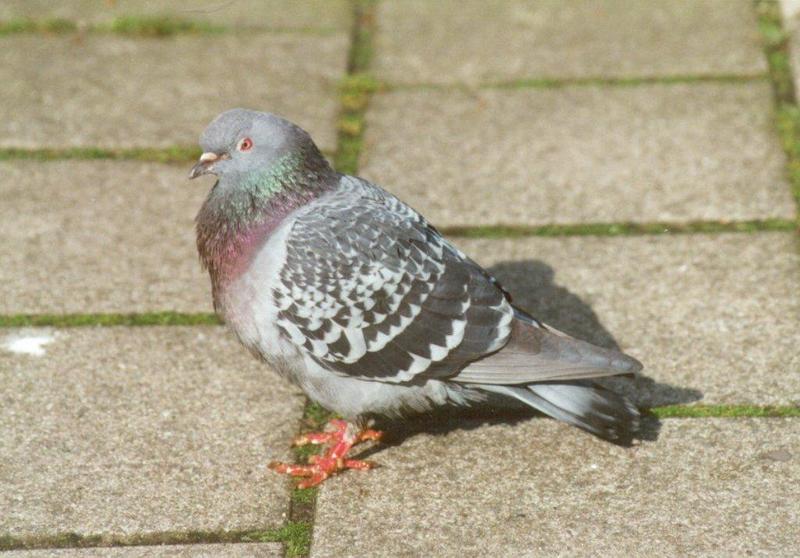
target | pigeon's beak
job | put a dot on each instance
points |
(205, 164)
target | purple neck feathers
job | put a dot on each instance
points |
(241, 213)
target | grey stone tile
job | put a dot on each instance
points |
(256, 550)
(704, 488)
(100, 236)
(280, 14)
(677, 152)
(120, 431)
(116, 92)
(477, 41)
(790, 9)
(711, 316)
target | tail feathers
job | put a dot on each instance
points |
(586, 405)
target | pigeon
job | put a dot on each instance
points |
(353, 296)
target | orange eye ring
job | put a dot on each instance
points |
(246, 144)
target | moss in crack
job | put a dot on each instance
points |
(302, 508)
(620, 229)
(158, 26)
(555, 83)
(724, 411)
(355, 93)
(127, 25)
(776, 48)
(356, 89)
(176, 154)
(48, 26)
(90, 320)
(295, 536)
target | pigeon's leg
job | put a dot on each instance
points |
(336, 431)
(341, 439)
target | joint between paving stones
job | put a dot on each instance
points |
(776, 49)
(303, 501)
(356, 89)
(620, 229)
(175, 154)
(723, 411)
(290, 534)
(354, 95)
(143, 26)
(561, 83)
(166, 318)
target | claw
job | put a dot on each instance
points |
(290, 469)
(372, 435)
(312, 438)
(333, 461)
(359, 464)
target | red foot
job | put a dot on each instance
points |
(341, 439)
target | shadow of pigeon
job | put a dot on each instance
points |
(532, 284)
(533, 288)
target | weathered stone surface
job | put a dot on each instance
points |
(675, 152)
(114, 92)
(789, 11)
(477, 41)
(99, 236)
(257, 550)
(120, 431)
(270, 14)
(711, 316)
(704, 487)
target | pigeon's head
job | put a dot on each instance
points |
(244, 144)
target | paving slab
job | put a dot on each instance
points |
(790, 9)
(659, 152)
(271, 14)
(129, 431)
(100, 236)
(249, 550)
(119, 92)
(714, 318)
(475, 41)
(704, 488)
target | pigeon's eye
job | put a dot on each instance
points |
(245, 144)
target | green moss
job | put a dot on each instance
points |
(776, 47)
(37, 26)
(316, 416)
(88, 320)
(176, 154)
(558, 83)
(555, 83)
(620, 229)
(127, 25)
(724, 411)
(361, 50)
(295, 535)
(158, 26)
(356, 89)
(361, 82)
(304, 496)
